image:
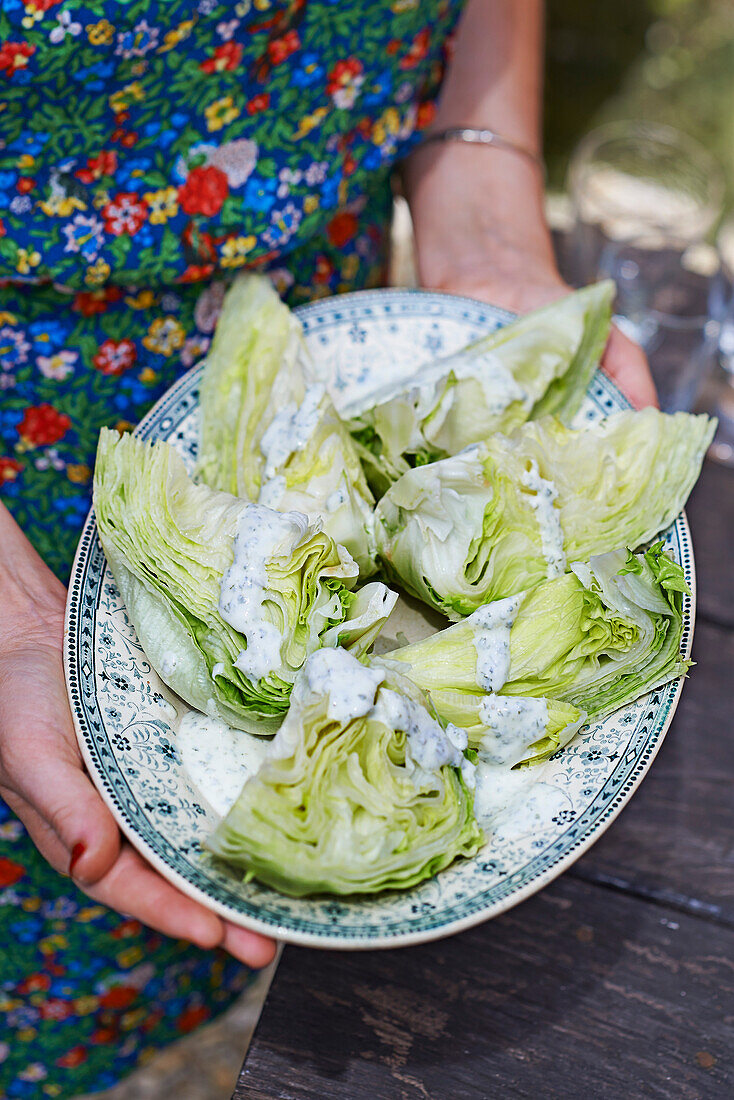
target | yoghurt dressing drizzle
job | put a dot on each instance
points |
(544, 493)
(261, 535)
(492, 624)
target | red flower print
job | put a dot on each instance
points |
(14, 56)
(343, 73)
(103, 1035)
(418, 50)
(192, 1017)
(350, 165)
(56, 1008)
(3, 230)
(258, 103)
(24, 185)
(103, 165)
(73, 1057)
(226, 57)
(200, 244)
(34, 983)
(42, 425)
(9, 470)
(115, 356)
(341, 229)
(194, 273)
(129, 927)
(124, 214)
(280, 49)
(426, 115)
(393, 46)
(119, 996)
(204, 192)
(89, 302)
(10, 872)
(324, 270)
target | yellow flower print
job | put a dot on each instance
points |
(101, 198)
(147, 375)
(310, 203)
(144, 299)
(399, 6)
(125, 97)
(26, 260)
(221, 112)
(78, 473)
(26, 162)
(26, 1034)
(176, 35)
(164, 336)
(162, 205)
(99, 34)
(350, 266)
(86, 1005)
(130, 956)
(122, 426)
(97, 273)
(33, 14)
(235, 249)
(59, 205)
(7, 319)
(261, 5)
(310, 122)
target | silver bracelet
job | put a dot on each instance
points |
(472, 136)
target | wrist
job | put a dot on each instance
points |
(477, 212)
(32, 599)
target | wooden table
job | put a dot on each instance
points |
(617, 981)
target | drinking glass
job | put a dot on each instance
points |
(645, 198)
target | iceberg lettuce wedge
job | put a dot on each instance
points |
(270, 434)
(541, 363)
(362, 789)
(502, 516)
(592, 640)
(228, 598)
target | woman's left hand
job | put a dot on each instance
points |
(484, 235)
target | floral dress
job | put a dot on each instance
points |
(149, 150)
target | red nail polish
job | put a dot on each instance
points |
(76, 854)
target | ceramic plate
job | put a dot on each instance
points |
(127, 721)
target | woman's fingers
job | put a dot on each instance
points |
(40, 762)
(626, 364)
(135, 888)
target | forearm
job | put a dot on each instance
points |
(477, 206)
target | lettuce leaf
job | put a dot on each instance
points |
(270, 434)
(541, 363)
(228, 598)
(362, 789)
(593, 639)
(502, 516)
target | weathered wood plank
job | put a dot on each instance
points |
(676, 835)
(711, 515)
(580, 992)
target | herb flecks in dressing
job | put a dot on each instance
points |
(262, 534)
(349, 685)
(513, 724)
(492, 624)
(541, 497)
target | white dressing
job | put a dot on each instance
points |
(261, 535)
(492, 624)
(290, 429)
(349, 685)
(217, 758)
(429, 747)
(513, 724)
(542, 495)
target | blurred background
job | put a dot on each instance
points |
(665, 61)
(662, 61)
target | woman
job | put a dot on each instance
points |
(150, 150)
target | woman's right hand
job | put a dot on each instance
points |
(42, 776)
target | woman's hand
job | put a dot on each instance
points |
(42, 777)
(483, 234)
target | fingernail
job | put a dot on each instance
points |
(76, 854)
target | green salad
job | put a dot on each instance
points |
(256, 581)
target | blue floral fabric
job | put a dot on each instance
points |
(149, 150)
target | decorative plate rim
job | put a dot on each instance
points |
(582, 837)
